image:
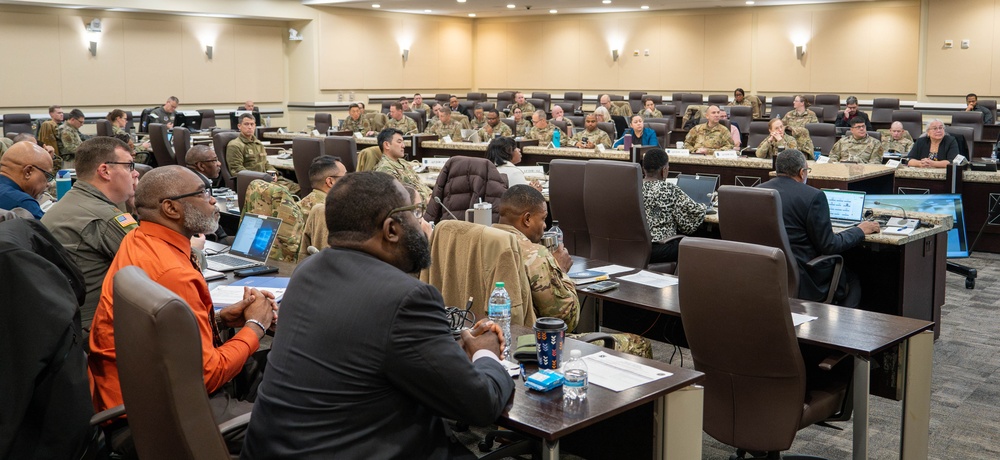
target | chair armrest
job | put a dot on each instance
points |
(234, 424)
(108, 414)
(830, 361)
(837, 267)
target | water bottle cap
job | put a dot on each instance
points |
(575, 354)
(499, 284)
(555, 223)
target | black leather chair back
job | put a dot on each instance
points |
(19, 123)
(780, 105)
(323, 122)
(823, 135)
(181, 144)
(344, 147)
(718, 99)
(304, 150)
(882, 108)
(103, 128)
(912, 121)
(972, 120)
(830, 104)
(163, 151)
(207, 119)
(616, 219)
(566, 178)
(221, 140)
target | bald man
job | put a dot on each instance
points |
(898, 140)
(24, 175)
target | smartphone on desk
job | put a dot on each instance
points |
(602, 286)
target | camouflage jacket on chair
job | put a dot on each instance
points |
(275, 200)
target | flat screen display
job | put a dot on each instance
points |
(951, 204)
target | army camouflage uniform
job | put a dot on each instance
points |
(717, 138)
(140, 153)
(522, 128)
(543, 135)
(569, 124)
(48, 134)
(748, 101)
(597, 136)
(5, 143)
(71, 140)
(796, 120)
(247, 153)
(91, 228)
(406, 125)
(654, 114)
(462, 120)
(422, 106)
(902, 146)
(526, 109)
(402, 171)
(553, 293)
(804, 140)
(477, 124)
(275, 200)
(453, 129)
(361, 125)
(501, 128)
(864, 150)
(621, 108)
(314, 197)
(768, 148)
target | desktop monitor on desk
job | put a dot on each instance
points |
(189, 119)
(950, 204)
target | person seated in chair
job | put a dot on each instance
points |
(591, 135)
(397, 120)
(859, 147)
(541, 130)
(324, 171)
(710, 136)
(247, 152)
(639, 133)
(898, 139)
(669, 210)
(392, 163)
(494, 127)
(935, 149)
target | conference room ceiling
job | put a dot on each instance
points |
(502, 8)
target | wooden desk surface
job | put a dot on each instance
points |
(545, 415)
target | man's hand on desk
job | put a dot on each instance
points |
(563, 258)
(485, 335)
(869, 227)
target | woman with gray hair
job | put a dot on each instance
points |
(935, 149)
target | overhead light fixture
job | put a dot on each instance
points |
(461, 1)
(376, 5)
(294, 35)
(800, 52)
(93, 49)
(511, 6)
(553, 11)
(614, 55)
(427, 11)
(644, 7)
(472, 15)
(406, 55)
(94, 25)
(208, 51)
(606, 2)
(750, 2)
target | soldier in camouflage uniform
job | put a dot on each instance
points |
(521, 124)
(710, 136)
(739, 98)
(247, 152)
(493, 127)
(621, 108)
(520, 103)
(649, 109)
(418, 104)
(800, 115)
(391, 142)
(896, 139)
(777, 141)
(355, 122)
(69, 134)
(558, 114)
(858, 146)
(399, 121)
(323, 173)
(803, 138)
(275, 200)
(478, 118)
(542, 130)
(592, 134)
(445, 126)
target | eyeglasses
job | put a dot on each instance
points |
(214, 160)
(416, 209)
(49, 177)
(205, 193)
(130, 165)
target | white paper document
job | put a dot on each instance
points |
(651, 279)
(612, 269)
(798, 319)
(226, 295)
(617, 374)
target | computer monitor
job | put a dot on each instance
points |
(698, 186)
(189, 119)
(950, 204)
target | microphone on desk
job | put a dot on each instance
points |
(438, 200)
(901, 222)
(897, 222)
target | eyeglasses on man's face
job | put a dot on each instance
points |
(417, 210)
(130, 165)
(49, 177)
(205, 193)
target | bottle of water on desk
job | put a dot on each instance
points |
(557, 232)
(575, 377)
(499, 313)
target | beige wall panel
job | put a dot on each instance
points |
(598, 36)
(259, 72)
(995, 81)
(210, 80)
(155, 56)
(558, 46)
(647, 33)
(836, 63)
(455, 54)
(421, 70)
(683, 62)
(491, 62)
(899, 31)
(775, 67)
(727, 52)
(341, 51)
(303, 63)
(382, 67)
(956, 71)
(32, 85)
(522, 54)
(86, 79)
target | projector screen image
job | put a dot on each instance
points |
(950, 204)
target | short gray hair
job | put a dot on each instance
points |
(790, 162)
(851, 100)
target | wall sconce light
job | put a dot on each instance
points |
(93, 49)
(94, 25)
(800, 52)
(614, 55)
(208, 51)
(406, 55)
(294, 35)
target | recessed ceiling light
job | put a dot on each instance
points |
(461, 1)
(645, 7)
(472, 15)
(376, 5)
(511, 6)
(427, 11)
(553, 11)
(749, 2)
(606, 2)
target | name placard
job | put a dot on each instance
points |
(531, 169)
(678, 152)
(823, 159)
(435, 163)
(727, 154)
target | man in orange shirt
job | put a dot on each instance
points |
(173, 206)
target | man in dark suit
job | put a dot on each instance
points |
(363, 364)
(807, 223)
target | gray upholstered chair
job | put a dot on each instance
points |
(566, 202)
(163, 151)
(830, 104)
(304, 150)
(882, 108)
(912, 121)
(220, 141)
(19, 123)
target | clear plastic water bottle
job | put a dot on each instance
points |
(575, 377)
(267, 121)
(557, 231)
(556, 136)
(499, 313)
(993, 156)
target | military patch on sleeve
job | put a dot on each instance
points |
(125, 220)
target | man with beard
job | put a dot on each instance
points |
(369, 352)
(174, 205)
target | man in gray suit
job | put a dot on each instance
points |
(363, 364)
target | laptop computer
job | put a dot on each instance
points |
(699, 187)
(847, 207)
(251, 246)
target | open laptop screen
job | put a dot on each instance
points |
(254, 238)
(697, 186)
(846, 204)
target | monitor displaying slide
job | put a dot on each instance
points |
(951, 204)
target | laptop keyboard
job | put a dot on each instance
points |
(843, 223)
(228, 261)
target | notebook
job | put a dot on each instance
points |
(251, 246)
(698, 186)
(847, 207)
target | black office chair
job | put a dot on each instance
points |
(304, 151)
(163, 150)
(566, 202)
(19, 123)
(221, 140)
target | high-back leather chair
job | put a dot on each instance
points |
(243, 179)
(912, 121)
(385, 106)
(163, 151)
(882, 108)
(608, 127)
(578, 121)
(757, 395)
(875, 135)
(830, 104)
(220, 141)
(504, 99)
(19, 123)
(660, 128)
(443, 98)
(566, 202)
(181, 144)
(510, 124)
(823, 135)
(344, 147)
(575, 98)
(616, 97)
(693, 98)
(539, 104)
(129, 121)
(475, 97)
(561, 124)
(972, 120)
(567, 107)
(990, 104)
(103, 128)
(207, 119)
(323, 122)
(810, 100)
(144, 119)
(546, 100)
(758, 132)
(635, 100)
(669, 112)
(964, 135)
(742, 116)
(616, 219)
(718, 99)
(418, 119)
(820, 113)
(753, 215)
(780, 105)
(304, 150)
(160, 368)
(656, 98)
